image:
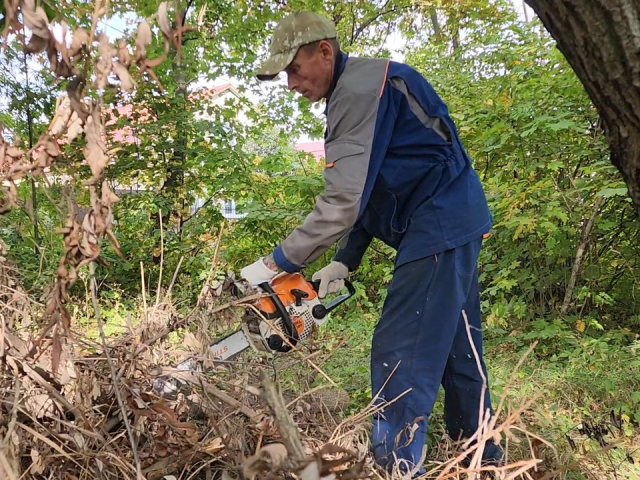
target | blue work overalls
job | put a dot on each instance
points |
(426, 201)
(397, 171)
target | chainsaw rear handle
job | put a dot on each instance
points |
(321, 311)
(275, 342)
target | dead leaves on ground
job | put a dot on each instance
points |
(174, 435)
(271, 462)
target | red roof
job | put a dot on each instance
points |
(315, 148)
(210, 92)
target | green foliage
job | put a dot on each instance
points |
(535, 138)
(523, 115)
(537, 145)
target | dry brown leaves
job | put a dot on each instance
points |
(15, 303)
(171, 36)
(70, 422)
(271, 462)
(74, 116)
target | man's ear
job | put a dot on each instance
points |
(326, 49)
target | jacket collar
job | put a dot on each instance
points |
(341, 61)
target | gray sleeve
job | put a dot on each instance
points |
(351, 125)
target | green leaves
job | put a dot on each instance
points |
(613, 192)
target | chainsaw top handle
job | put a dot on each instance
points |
(275, 342)
(321, 311)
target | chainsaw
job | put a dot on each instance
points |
(287, 316)
(284, 317)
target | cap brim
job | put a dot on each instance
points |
(275, 64)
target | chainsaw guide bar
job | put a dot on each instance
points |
(290, 310)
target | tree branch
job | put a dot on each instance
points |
(283, 420)
(366, 23)
(198, 210)
(577, 264)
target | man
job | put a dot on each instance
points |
(395, 170)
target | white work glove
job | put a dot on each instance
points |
(331, 278)
(257, 273)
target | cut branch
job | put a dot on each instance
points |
(215, 392)
(286, 426)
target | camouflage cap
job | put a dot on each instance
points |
(292, 32)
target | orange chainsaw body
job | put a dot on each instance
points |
(283, 285)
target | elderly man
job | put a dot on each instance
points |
(395, 170)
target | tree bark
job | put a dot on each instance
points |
(601, 41)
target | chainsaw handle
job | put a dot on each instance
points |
(290, 330)
(321, 311)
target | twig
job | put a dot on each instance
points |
(159, 290)
(175, 275)
(522, 465)
(144, 294)
(370, 410)
(214, 265)
(490, 430)
(4, 464)
(313, 390)
(286, 426)
(94, 22)
(114, 377)
(478, 455)
(219, 394)
(14, 413)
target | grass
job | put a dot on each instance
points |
(577, 393)
(579, 380)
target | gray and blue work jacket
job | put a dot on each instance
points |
(395, 170)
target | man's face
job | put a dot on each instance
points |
(310, 72)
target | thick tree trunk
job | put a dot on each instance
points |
(601, 41)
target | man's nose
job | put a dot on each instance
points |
(292, 83)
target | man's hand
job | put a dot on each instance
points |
(331, 278)
(262, 270)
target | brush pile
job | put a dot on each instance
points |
(225, 420)
(103, 412)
